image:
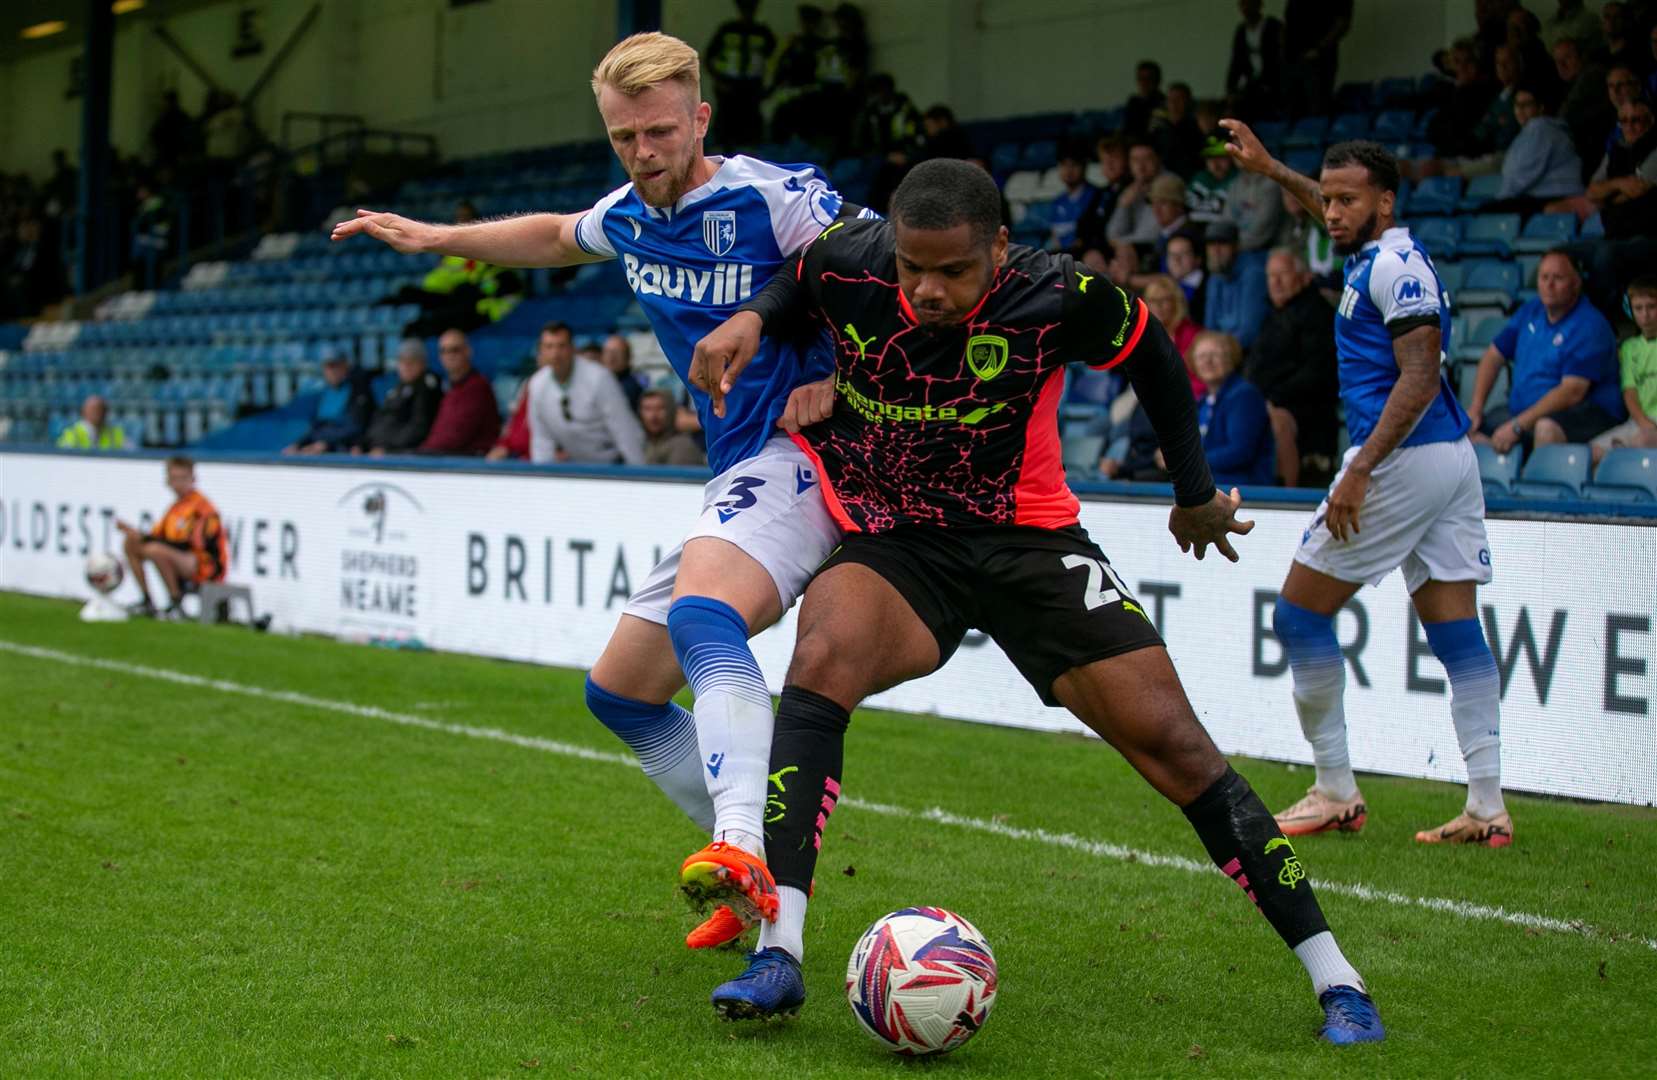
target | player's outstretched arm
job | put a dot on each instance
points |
(1250, 153)
(527, 240)
(1202, 515)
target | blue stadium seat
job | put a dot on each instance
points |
(1489, 281)
(1004, 158)
(1307, 161)
(1451, 275)
(1480, 190)
(1038, 216)
(1490, 234)
(1081, 454)
(1544, 231)
(1436, 195)
(1271, 132)
(1393, 125)
(1440, 236)
(1352, 125)
(1395, 92)
(1308, 131)
(1556, 471)
(1626, 475)
(1467, 374)
(1354, 97)
(1040, 155)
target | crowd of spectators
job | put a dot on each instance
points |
(580, 405)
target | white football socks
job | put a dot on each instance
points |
(788, 932)
(1326, 964)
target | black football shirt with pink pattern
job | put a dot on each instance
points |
(954, 425)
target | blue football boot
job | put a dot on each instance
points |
(770, 987)
(1349, 1016)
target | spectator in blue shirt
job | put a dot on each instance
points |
(1236, 430)
(342, 411)
(1070, 204)
(1236, 292)
(1542, 163)
(1565, 380)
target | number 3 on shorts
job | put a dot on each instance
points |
(1103, 586)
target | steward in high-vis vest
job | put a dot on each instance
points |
(91, 431)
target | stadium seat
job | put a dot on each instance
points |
(1041, 155)
(1306, 160)
(1353, 125)
(1498, 470)
(1480, 190)
(1451, 274)
(1354, 97)
(1556, 471)
(1544, 231)
(1436, 195)
(1489, 281)
(1440, 236)
(1480, 333)
(1004, 158)
(1397, 92)
(1271, 132)
(1490, 234)
(1394, 125)
(1626, 475)
(1307, 132)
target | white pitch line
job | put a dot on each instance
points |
(1069, 841)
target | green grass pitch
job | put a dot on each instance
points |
(224, 882)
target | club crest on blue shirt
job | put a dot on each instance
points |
(719, 231)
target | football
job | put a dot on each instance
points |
(921, 981)
(103, 573)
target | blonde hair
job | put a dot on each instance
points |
(1233, 348)
(1182, 311)
(639, 62)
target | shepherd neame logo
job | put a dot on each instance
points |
(379, 573)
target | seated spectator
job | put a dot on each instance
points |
(944, 137)
(1183, 260)
(34, 273)
(1481, 148)
(1451, 129)
(1583, 107)
(342, 411)
(1564, 376)
(1303, 233)
(1167, 198)
(1166, 300)
(1629, 168)
(1205, 195)
(1123, 264)
(1638, 360)
(1132, 219)
(662, 444)
(1542, 164)
(1231, 414)
(578, 413)
(1091, 229)
(556, 341)
(1254, 203)
(617, 357)
(92, 431)
(1293, 364)
(1145, 100)
(1254, 76)
(187, 546)
(404, 418)
(1175, 132)
(1236, 302)
(1074, 201)
(1572, 20)
(1618, 46)
(469, 419)
(460, 293)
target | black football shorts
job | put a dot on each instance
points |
(1048, 597)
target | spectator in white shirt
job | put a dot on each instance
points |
(578, 413)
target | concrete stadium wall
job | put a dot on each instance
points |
(513, 73)
(535, 565)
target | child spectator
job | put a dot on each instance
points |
(1638, 360)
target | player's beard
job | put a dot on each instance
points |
(1360, 237)
(670, 187)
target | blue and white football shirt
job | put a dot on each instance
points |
(693, 264)
(1390, 283)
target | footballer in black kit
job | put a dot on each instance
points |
(940, 456)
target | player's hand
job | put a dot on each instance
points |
(1344, 503)
(1198, 526)
(399, 233)
(1245, 147)
(721, 356)
(125, 527)
(807, 405)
